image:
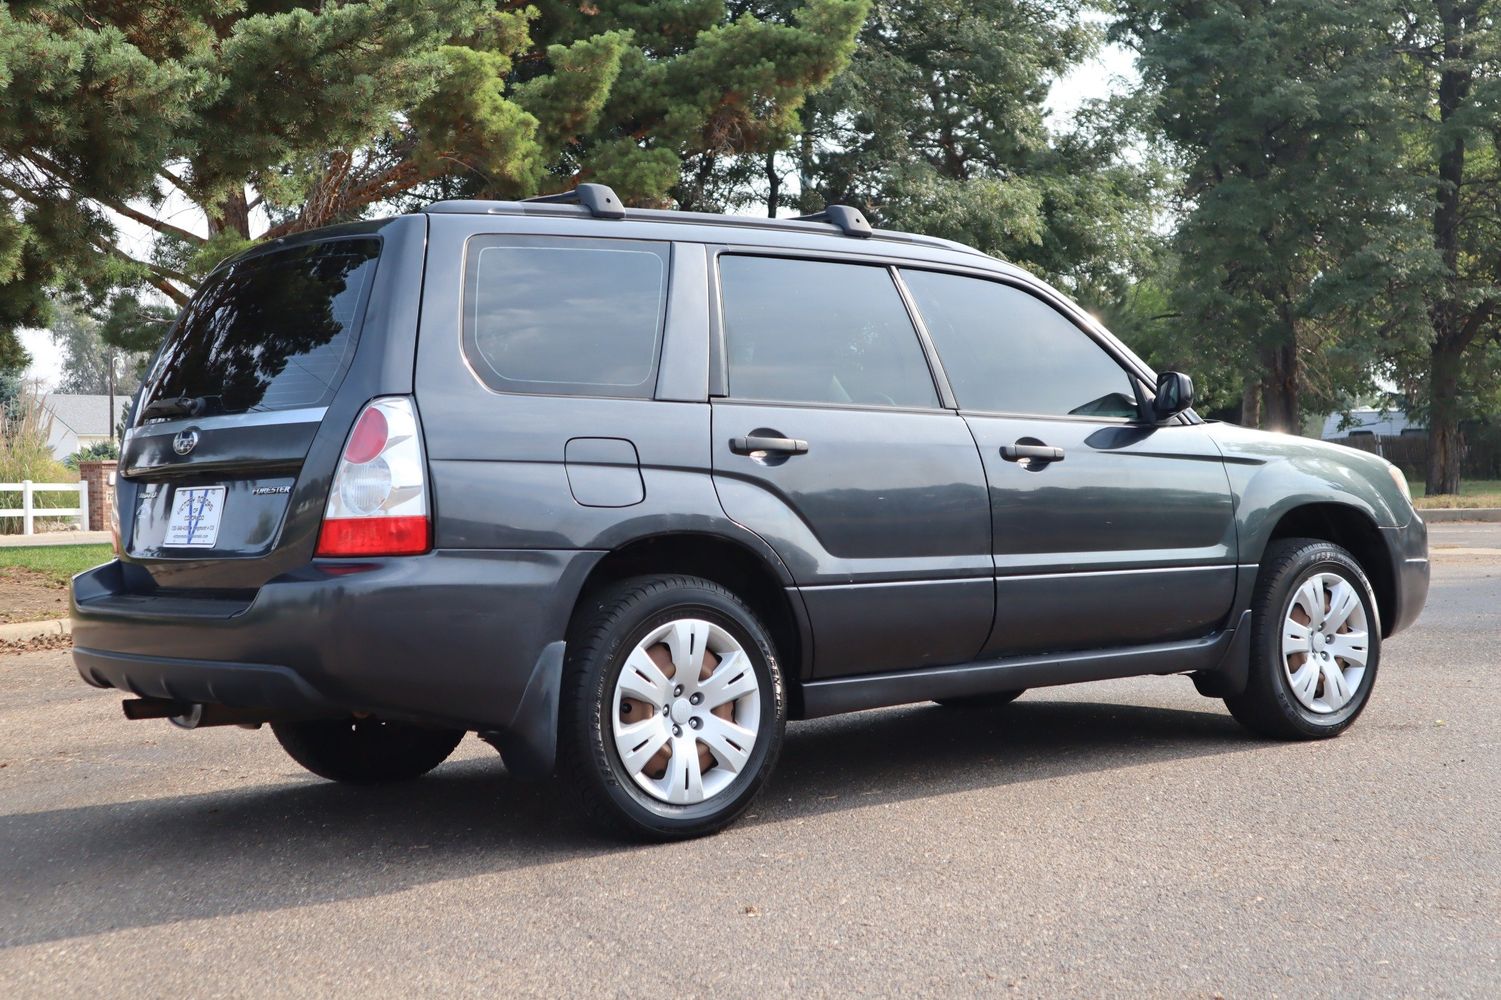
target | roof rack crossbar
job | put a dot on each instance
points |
(848, 219)
(599, 199)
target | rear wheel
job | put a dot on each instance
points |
(995, 699)
(365, 751)
(1315, 643)
(673, 708)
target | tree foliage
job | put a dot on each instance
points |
(940, 125)
(87, 358)
(1301, 203)
(268, 117)
(1451, 86)
(1295, 214)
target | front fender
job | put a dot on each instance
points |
(1273, 474)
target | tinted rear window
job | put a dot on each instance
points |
(274, 332)
(565, 316)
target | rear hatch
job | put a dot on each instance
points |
(237, 428)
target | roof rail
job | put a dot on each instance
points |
(849, 220)
(599, 199)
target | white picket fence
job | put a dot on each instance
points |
(28, 512)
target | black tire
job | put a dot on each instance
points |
(365, 751)
(994, 699)
(604, 633)
(1269, 707)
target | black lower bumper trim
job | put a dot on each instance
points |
(242, 685)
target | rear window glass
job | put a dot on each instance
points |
(565, 316)
(274, 332)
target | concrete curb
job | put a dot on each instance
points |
(26, 631)
(1439, 515)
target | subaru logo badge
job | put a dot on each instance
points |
(185, 441)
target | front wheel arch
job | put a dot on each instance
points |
(1352, 530)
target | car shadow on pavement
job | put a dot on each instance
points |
(141, 863)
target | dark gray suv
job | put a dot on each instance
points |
(623, 491)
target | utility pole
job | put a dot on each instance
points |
(109, 362)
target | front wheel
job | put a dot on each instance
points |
(1315, 643)
(365, 751)
(673, 708)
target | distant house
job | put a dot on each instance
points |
(1368, 422)
(79, 421)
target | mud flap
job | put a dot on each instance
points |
(529, 744)
(1229, 675)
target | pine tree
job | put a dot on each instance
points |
(269, 118)
(940, 125)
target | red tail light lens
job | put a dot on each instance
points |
(369, 438)
(374, 536)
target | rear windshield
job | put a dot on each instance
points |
(273, 332)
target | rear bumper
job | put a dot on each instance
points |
(455, 637)
(1408, 546)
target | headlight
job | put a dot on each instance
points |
(1400, 479)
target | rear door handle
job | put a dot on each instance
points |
(773, 445)
(1031, 452)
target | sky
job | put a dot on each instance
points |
(1110, 70)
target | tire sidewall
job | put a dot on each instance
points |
(1313, 561)
(683, 600)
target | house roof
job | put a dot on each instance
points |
(86, 416)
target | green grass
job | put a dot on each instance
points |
(1472, 493)
(56, 561)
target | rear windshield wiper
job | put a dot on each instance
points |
(182, 406)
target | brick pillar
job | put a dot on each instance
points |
(101, 494)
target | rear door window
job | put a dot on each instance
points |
(1007, 351)
(565, 316)
(275, 331)
(812, 331)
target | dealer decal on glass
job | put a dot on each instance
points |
(195, 517)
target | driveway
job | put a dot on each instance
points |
(1115, 839)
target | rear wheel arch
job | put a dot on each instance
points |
(732, 565)
(1353, 530)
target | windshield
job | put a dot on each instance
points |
(273, 332)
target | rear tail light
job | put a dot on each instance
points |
(377, 505)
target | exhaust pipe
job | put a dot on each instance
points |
(189, 715)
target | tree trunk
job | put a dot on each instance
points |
(805, 167)
(1250, 403)
(1279, 388)
(1444, 447)
(1446, 311)
(773, 186)
(230, 215)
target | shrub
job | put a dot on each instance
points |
(24, 454)
(93, 453)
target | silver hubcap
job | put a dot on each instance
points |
(1325, 643)
(686, 712)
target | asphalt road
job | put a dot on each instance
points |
(1123, 838)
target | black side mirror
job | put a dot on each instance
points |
(1175, 393)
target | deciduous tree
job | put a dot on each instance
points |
(1296, 212)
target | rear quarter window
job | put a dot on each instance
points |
(565, 316)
